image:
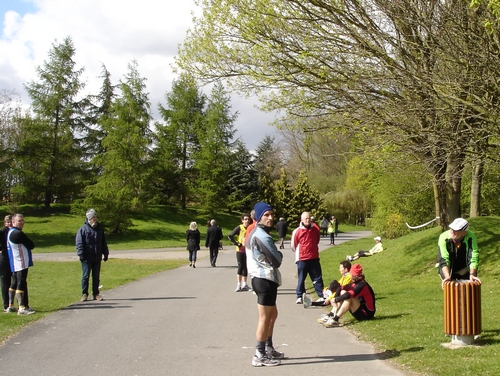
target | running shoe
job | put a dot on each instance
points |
(274, 354)
(264, 360)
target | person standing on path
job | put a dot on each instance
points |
(304, 242)
(331, 231)
(214, 236)
(282, 229)
(5, 272)
(324, 226)
(193, 243)
(264, 261)
(241, 257)
(91, 248)
(458, 253)
(20, 257)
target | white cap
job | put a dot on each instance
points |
(459, 224)
(377, 238)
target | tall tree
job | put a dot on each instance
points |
(50, 152)
(305, 198)
(214, 154)
(407, 70)
(121, 187)
(177, 139)
(242, 185)
(283, 193)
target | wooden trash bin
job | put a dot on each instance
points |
(462, 310)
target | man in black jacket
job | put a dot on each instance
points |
(91, 248)
(214, 236)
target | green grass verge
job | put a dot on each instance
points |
(408, 327)
(55, 285)
(54, 229)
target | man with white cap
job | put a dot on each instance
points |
(458, 254)
(377, 248)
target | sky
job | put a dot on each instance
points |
(113, 33)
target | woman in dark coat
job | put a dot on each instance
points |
(193, 242)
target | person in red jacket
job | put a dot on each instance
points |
(358, 298)
(304, 243)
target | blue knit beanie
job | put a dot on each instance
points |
(260, 208)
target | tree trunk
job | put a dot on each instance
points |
(454, 169)
(475, 190)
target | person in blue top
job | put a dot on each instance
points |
(91, 248)
(263, 262)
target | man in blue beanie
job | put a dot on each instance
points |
(263, 262)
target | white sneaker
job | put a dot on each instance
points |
(238, 289)
(298, 301)
(25, 311)
(323, 318)
(320, 300)
(307, 302)
(348, 258)
(264, 360)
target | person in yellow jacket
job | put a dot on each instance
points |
(332, 291)
(237, 237)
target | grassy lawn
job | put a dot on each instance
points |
(408, 326)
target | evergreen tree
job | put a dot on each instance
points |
(121, 187)
(266, 187)
(268, 155)
(242, 185)
(305, 198)
(49, 153)
(283, 193)
(177, 140)
(214, 155)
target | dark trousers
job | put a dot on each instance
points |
(87, 268)
(19, 284)
(214, 252)
(313, 269)
(5, 279)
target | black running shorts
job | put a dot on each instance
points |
(266, 290)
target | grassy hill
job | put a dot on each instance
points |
(408, 327)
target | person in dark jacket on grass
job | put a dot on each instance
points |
(91, 248)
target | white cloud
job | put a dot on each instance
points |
(113, 33)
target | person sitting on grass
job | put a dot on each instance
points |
(377, 248)
(333, 290)
(357, 298)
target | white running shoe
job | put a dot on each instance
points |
(264, 360)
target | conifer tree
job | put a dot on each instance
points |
(177, 140)
(49, 153)
(121, 187)
(242, 184)
(214, 155)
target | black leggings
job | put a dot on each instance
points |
(241, 257)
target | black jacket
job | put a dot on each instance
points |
(91, 243)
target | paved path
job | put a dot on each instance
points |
(186, 322)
